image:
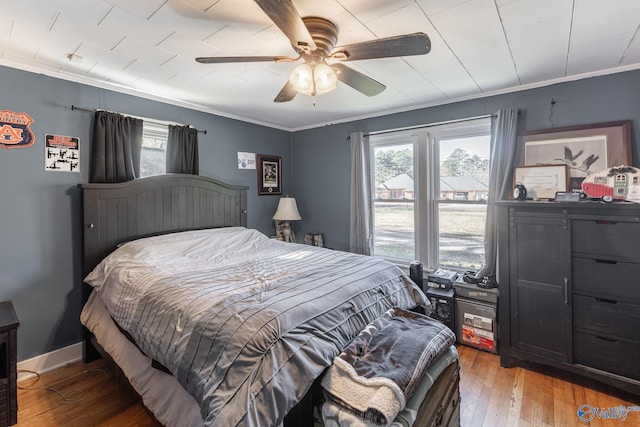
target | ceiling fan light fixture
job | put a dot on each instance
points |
(325, 78)
(301, 78)
(313, 79)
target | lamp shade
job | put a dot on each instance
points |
(287, 210)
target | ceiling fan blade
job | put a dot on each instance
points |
(357, 80)
(406, 45)
(284, 14)
(287, 93)
(229, 59)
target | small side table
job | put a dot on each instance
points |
(8, 368)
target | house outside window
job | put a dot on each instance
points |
(430, 188)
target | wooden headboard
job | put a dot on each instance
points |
(116, 213)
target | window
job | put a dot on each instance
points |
(430, 191)
(154, 149)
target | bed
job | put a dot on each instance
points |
(302, 304)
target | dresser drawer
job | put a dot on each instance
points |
(607, 317)
(618, 357)
(613, 239)
(611, 279)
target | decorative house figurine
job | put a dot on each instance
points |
(616, 183)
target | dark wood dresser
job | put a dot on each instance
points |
(8, 359)
(569, 276)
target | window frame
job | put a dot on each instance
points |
(426, 168)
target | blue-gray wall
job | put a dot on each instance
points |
(39, 211)
(321, 156)
(40, 243)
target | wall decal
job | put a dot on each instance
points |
(61, 153)
(15, 131)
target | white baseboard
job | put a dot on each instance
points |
(49, 361)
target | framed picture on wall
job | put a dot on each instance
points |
(584, 149)
(269, 174)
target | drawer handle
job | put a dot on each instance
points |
(608, 301)
(605, 261)
(606, 339)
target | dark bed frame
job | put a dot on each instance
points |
(116, 213)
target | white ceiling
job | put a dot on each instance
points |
(479, 48)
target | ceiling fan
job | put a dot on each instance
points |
(314, 39)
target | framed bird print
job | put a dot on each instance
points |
(584, 149)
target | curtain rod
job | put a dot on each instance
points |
(447, 122)
(155, 122)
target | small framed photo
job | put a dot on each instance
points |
(308, 239)
(542, 182)
(318, 240)
(269, 175)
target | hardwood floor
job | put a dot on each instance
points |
(491, 396)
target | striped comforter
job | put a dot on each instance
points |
(244, 322)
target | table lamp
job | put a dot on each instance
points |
(287, 211)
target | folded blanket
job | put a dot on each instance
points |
(379, 370)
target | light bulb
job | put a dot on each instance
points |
(325, 78)
(302, 78)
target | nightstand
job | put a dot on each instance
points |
(8, 357)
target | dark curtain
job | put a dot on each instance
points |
(182, 150)
(115, 154)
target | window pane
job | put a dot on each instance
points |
(154, 149)
(464, 168)
(394, 230)
(464, 178)
(393, 206)
(461, 234)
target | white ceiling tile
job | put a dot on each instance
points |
(487, 44)
(405, 77)
(459, 87)
(367, 11)
(405, 20)
(433, 7)
(143, 8)
(136, 27)
(149, 46)
(605, 51)
(489, 76)
(234, 41)
(149, 72)
(200, 25)
(381, 67)
(97, 55)
(465, 17)
(444, 75)
(143, 51)
(531, 13)
(187, 47)
(86, 31)
(325, 8)
(632, 54)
